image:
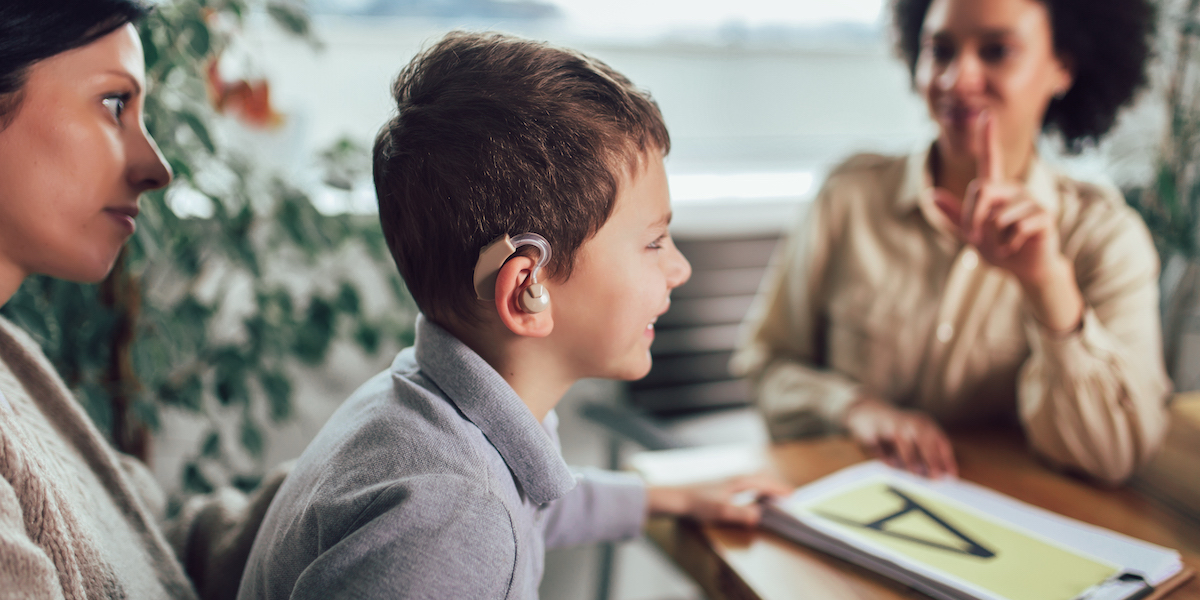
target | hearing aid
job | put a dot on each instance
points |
(535, 298)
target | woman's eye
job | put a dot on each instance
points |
(994, 52)
(115, 105)
(942, 53)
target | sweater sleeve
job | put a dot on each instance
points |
(213, 533)
(782, 344)
(26, 571)
(604, 506)
(1095, 400)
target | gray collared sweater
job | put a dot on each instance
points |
(432, 481)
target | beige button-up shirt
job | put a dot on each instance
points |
(873, 294)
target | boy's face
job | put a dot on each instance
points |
(604, 315)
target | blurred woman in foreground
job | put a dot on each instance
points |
(970, 282)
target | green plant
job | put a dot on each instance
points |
(1170, 204)
(208, 314)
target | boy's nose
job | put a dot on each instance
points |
(680, 269)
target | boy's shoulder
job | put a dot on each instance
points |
(397, 428)
(396, 472)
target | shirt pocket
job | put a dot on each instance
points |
(863, 343)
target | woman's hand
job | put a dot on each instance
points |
(1015, 233)
(905, 439)
(733, 501)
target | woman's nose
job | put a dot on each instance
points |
(148, 170)
(963, 74)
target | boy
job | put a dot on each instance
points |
(531, 177)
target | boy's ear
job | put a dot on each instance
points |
(511, 282)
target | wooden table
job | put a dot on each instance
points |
(739, 564)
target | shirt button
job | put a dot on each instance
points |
(970, 260)
(945, 331)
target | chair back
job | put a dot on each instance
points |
(695, 339)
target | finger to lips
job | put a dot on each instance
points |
(992, 199)
(1023, 231)
(969, 206)
(1016, 211)
(989, 164)
(989, 169)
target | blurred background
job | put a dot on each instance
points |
(258, 293)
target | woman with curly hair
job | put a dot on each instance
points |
(970, 281)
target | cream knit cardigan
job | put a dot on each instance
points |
(44, 550)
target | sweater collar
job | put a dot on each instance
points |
(529, 448)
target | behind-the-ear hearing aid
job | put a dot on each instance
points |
(535, 298)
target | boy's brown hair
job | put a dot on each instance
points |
(496, 134)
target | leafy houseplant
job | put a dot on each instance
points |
(1170, 204)
(196, 314)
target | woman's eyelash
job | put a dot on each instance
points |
(115, 103)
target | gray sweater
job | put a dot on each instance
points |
(433, 481)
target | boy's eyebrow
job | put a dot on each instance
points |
(664, 220)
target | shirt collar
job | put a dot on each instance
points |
(486, 399)
(916, 187)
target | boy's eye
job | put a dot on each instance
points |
(657, 244)
(116, 105)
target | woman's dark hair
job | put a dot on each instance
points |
(1106, 41)
(33, 30)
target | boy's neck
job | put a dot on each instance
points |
(538, 379)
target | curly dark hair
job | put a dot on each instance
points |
(1107, 42)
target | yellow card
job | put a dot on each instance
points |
(961, 542)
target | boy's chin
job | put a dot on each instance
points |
(634, 372)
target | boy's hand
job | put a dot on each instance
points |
(733, 501)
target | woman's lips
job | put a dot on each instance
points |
(959, 116)
(124, 216)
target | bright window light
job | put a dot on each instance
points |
(700, 13)
(740, 186)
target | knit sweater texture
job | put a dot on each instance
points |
(77, 519)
